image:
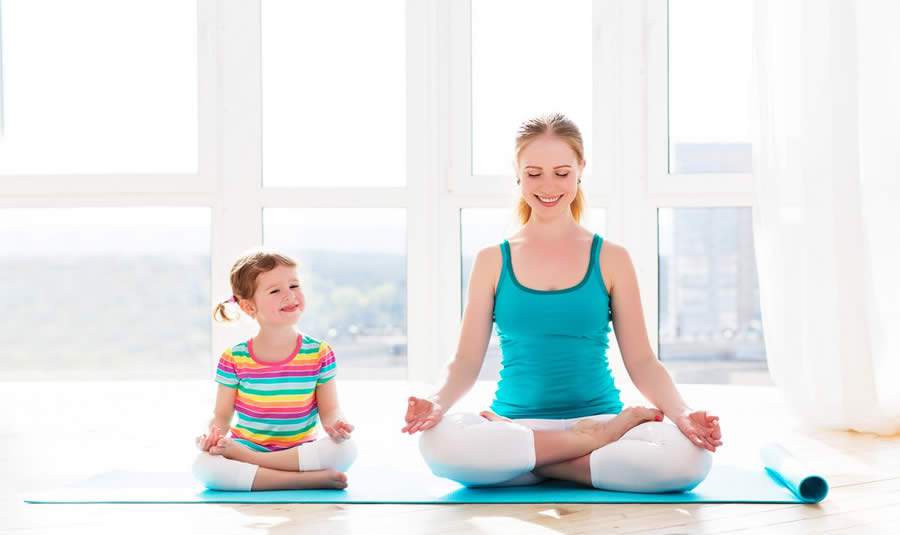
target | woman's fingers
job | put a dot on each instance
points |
(711, 442)
(700, 441)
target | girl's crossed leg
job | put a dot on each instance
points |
(229, 465)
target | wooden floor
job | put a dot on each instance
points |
(56, 433)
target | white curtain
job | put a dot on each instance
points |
(827, 213)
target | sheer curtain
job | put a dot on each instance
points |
(827, 213)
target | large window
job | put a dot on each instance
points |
(105, 293)
(374, 141)
(334, 93)
(90, 87)
(709, 86)
(710, 326)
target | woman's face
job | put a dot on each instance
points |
(548, 171)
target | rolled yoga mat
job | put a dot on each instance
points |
(800, 478)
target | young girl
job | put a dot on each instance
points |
(278, 382)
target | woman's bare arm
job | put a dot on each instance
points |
(475, 334)
(644, 369)
(462, 371)
(647, 373)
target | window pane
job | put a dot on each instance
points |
(334, 93)
(106, 293)
(483, 227)
(520, 71)
(353, 268)
(91, 87)
(710, 326)
(709, 86)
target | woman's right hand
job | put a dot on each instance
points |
(421, 415)
(204, 442)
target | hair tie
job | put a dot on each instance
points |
(232, 299)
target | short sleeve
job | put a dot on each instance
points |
(327, 364)
(226, 374)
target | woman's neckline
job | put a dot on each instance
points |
(584, 280)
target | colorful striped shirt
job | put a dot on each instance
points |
(276, 401)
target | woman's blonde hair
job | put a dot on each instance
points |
(243, 277)
(560, 126)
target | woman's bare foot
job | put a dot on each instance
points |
(611, 430)
(488, 415)
(232, 449)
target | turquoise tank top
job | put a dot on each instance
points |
(554, 346)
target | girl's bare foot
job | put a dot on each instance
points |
(232, 449)
(611, 430)
(327, 479)
(268, 479)
(488, 415)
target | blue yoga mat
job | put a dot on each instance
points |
(783, 480)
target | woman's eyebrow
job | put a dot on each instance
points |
(538, 167)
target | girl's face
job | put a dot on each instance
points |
(548, 171)
(278, 299)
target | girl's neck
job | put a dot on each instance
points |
(276, 336)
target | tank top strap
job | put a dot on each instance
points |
(505, 267)
(594, 266)
(504, 247)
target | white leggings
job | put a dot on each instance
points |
(651, 457)
(218, 473)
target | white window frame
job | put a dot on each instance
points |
(122, 184)
(629, 171)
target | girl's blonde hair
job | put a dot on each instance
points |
(243, 277)
(561, 126)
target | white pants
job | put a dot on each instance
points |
(218, 473)
(651, 457)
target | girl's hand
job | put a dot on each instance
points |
(204, 442)
(701, 429)
(421, 415)
(339, 430)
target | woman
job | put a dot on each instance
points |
(552, 316)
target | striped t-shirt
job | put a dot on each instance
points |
(276, 401)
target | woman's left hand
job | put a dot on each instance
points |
(702, 429)
(339, 430)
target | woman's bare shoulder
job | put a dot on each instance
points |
(614, 261)
(489, 254)
(487, 266)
